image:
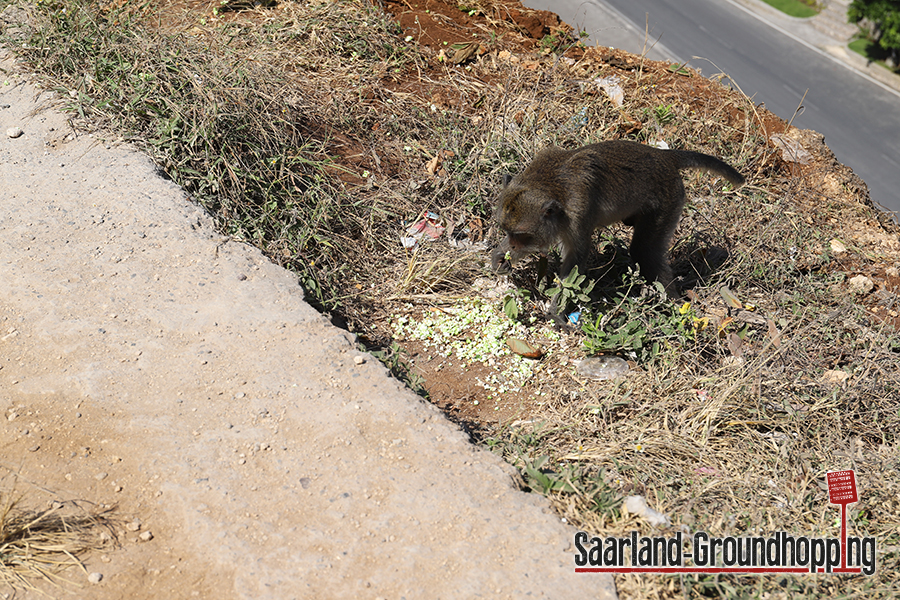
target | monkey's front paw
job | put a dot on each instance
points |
(561, 319)
(500, 262)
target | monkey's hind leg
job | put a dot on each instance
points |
(650, 246)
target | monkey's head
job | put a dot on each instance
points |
(531, 218)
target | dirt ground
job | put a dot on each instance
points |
(507, 26)
(151, 365)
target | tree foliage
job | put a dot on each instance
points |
(885, 18)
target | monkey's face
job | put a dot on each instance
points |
(531, 221)
(513, 248)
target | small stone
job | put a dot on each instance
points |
(34, 448)
(11, 417)
(95, 577)
(838, 247)
(133, 526)
(101, 476)
(861, 285)
(14, 132)
(146, 536)
(833, 377)
(359, 359)
(892, 272)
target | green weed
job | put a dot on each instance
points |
(641, 326)
(575, 289)
(513, 302)
(393, 359)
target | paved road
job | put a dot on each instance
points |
(859, 118)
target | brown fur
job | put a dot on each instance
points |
(564, 195)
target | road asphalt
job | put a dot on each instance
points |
(773, 58)
(818, 33)
(609, 27)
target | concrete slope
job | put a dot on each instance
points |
(150, 363)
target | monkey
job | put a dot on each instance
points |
(564, 195)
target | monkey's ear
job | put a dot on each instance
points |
(506, 179)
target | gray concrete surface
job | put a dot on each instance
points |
(148, 362)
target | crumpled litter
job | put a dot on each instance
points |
(638, 506)
(611, 86)
(429, 227)
(601, 367)
(791, 150)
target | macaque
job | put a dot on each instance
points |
(564, 195)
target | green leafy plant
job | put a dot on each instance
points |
(541, 475)
(664, 114)
(642, 325)
(469, 10)
(575, 289)
(559, 42)
(545, 480)
(513, 301)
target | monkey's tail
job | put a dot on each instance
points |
(705, 162)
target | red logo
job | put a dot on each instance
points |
(842, 487)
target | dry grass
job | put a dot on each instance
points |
(39, 545)
(320, 134)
